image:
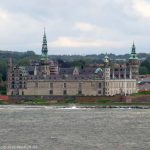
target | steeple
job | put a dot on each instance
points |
(133, 49)
(44, 47)
(134, 63)
(133, 52)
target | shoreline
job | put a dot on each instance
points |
(74, 106)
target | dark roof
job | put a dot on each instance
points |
(87, 71)
(84, 71)
(30, 68)
(68, 71)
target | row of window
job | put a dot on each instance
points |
(122, 76)
(14, 93)
(18, 86)
(65, 85)
(118, 92)
(20, 82)
(122, 84)
(79, 92)
(64, 92)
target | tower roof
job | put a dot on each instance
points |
(44, 47)
(133, 49)
(133, 52)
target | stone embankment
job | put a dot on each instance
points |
(106, 100)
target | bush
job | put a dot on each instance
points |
(3, 90)
(69, 100)
(142, 93)
(1, 102)
(104, 101)
(39, 101)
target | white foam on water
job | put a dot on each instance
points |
(20, 107)
(73, 107)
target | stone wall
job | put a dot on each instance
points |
(86, 88)
(82, 99)
(141, 98)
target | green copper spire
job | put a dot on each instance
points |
(133, 52)
(44, 47)
(133, 49)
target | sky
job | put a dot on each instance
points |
(75, 26)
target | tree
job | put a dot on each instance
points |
(24, 62)
(145, 66)
(3, 69)
(143, 70)
(1, 78)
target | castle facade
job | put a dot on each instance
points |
(45, 77)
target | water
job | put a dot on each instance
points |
(73, 128)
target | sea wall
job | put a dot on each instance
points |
(80, 99)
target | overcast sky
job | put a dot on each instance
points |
(75, 26)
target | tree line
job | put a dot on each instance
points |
(24, 59)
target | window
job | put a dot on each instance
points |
(51, 85)
(12, 86)
(99, 85)
(99, 92)
(122, 76)
(22, 92)
(51, 92)
(65, 85)
(65, 92)
(79, 92)
(12, 93)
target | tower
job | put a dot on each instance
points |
(106, 74)
(106, 68)
(10, 64)
(9, 74)
(44, 64)
(134, 63)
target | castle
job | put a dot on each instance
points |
(45, 77)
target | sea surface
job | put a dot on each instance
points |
(72, 128)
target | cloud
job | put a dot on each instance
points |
(79, 43)
(84, 26)
(3, 15)
(142, 8)
(94, 24)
